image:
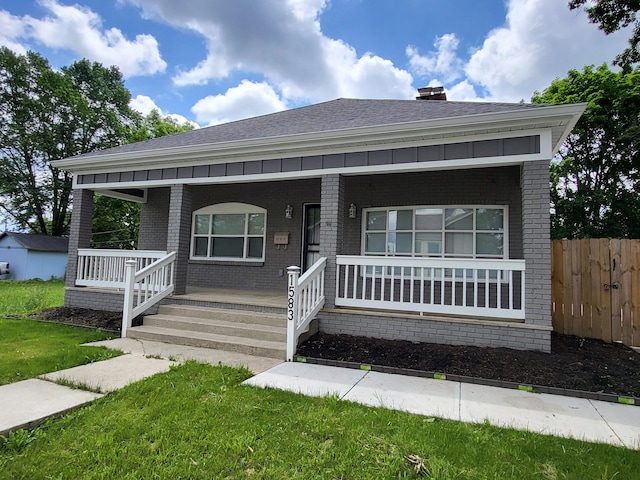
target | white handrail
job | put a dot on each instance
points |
(471, 287)
(145, 288)
(305, 299)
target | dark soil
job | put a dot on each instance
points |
(84, 317)
(574, 363)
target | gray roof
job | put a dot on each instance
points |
(44, 243)
(340, 114)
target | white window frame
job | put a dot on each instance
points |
(231, 208)
(443, 254)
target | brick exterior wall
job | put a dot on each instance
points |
(423, 329)
(179, 233)
(99, 299)
(274, 197)
(332, 213)
(111, 301)
(537, 242)
(154, 220)
(79, 232)
(487, 186)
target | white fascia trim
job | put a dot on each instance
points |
(323, 142)
(484, 162)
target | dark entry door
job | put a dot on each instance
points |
(311, 249)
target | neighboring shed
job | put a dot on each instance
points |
(34, 256)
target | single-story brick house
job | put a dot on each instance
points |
(34, 256)
(428, 219)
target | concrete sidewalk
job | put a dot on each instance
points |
(579, 418)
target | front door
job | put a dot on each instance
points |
(311, 245)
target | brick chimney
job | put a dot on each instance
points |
(431, 93)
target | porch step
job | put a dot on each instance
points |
(232, 328)
(252, 333)
(248, 346)
(224, 314)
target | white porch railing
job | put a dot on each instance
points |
(470, 287)
(105, 268)
(305, 300)
(146, 287)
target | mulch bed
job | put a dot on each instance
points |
(83, 317)
(574, 363)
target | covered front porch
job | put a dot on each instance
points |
(344, 221)
(443, 292)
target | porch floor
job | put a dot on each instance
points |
(240, 297)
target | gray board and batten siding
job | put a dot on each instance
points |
(453, 151)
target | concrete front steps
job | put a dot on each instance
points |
(249, 332)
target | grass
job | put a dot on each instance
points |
(196, 421)
(18, 298)
(29, 348)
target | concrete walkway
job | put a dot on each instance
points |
(27, 403)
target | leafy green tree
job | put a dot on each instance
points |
(611, 16)
(116, 222)
(48, 115)
(155, 125)
(594, 179)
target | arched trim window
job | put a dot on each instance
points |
(229, 231)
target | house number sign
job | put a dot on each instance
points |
(291, 302)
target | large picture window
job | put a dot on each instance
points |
(447, 231)
(229, 231)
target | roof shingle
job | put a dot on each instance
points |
(43, 243)
(340, 114)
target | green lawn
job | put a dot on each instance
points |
(29, 348)
(24, 297)
(197, 422)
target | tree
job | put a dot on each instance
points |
(155, 125)
(48, 115)
(611, 16)
(595, 176)
(115, 221)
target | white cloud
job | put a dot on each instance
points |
(145, 105)
(444, 61)
(11, 28)
(462, 92)
(541, 40)
(281, 41)
(248, 99)
(80, 30)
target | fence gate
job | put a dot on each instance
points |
(596, 289)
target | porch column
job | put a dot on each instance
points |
(536, 241)
(79, 231)
(179, 233)
(331, 230)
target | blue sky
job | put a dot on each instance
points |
(212, 61)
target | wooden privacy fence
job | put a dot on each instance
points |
(596, 289)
